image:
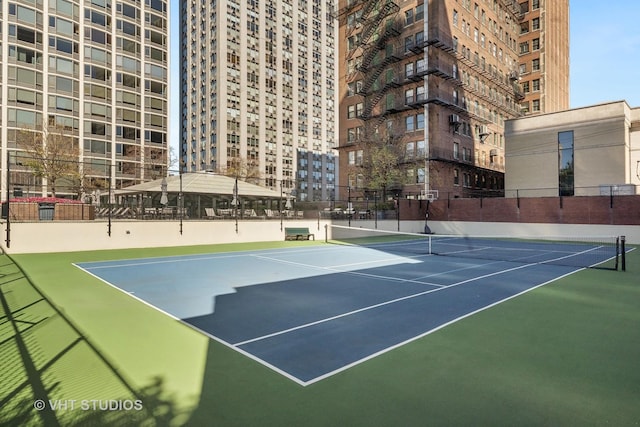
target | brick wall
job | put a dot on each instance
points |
(72, 211)
(619, 210)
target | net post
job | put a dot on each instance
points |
(623, 253)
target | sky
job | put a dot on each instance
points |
(604, 55)
(604, 52)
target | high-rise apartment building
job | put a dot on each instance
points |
(431, 82)
(258, 89)
(97, 72)
(544, 56)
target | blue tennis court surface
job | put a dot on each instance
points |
(310, 312)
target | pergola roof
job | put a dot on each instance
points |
(201, 183)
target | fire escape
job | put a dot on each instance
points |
(375, 50)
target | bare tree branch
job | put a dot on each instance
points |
(382, 164)
(52, 154)
(243, 169)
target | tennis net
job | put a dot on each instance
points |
(579, 251)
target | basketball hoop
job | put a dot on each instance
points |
(430, 195)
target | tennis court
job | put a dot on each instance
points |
(311, 312)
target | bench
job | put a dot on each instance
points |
(300, 233)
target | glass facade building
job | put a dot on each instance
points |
(95, 70)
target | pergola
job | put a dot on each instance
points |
(200, 190)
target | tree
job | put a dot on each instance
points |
(243, 169)
(382, 165)
(52, 154)
(174, 161)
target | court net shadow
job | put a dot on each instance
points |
(51, 374)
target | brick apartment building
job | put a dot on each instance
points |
(435, 81)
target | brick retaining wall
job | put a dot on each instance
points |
(619, 210)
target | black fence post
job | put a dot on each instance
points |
(8, 240)
(623, 252)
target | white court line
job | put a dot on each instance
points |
(335, 269)
(371, 307)
(207, 256)
(437, 328)
(189, 325)
(345, 367)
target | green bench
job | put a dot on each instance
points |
(299, 233)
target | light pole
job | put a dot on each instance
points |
(111, 166)
(181, 201)
(235, 202)
(8, 239)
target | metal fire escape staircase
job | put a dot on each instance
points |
(372, 23)
(371, 64)
(439, 42)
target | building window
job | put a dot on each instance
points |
(410, 150)
(351, 112)
(408, 17)
(523, 69)
(351, 89)
(408, 96)
(455, 18)
(536, 84)
(535, 24)
(456, 150)
(351, 66)
(524, 47)
(456, 177)
(535, 44)
(351, 135)
(352, 42)
(352, 158)
(410, 124)
(535, 64)
(525, 87)
(535, 105)
(408, 69)
(565, 163)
